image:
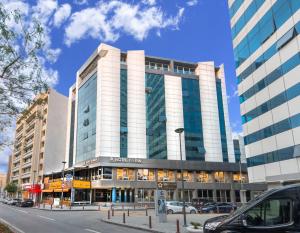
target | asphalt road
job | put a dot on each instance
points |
(28, 220)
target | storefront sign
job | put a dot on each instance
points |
(91, 161)
(166, 185)
(125, 160)
(81, 184)
(55, 185)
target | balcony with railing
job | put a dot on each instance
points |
(27, 154)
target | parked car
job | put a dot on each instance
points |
(13, 201)
(26, 203)
(218, 207)
(177, 207)
(198, 203)
(276, 210)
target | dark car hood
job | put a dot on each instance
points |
(217, 219)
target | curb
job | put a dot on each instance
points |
(64, 210)
(132, 227)
(10, 227)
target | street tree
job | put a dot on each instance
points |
(11, 188)
(21, 48)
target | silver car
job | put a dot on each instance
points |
(177, 207)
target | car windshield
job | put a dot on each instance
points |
(249, 203)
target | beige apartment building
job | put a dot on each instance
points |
(39, 146)
(2, 183)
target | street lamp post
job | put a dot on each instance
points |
(62, 182)
(180, 131)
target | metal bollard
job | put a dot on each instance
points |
(108, 214)
(150, 222)
(218, 209)
(133, 207)
(177, 226)
(44, 205)
(83, 207)
(99, 207)
(51, 206)
(124, 218)
(70, 206)
(61, 206)
(127, 212)
(113, 212)
(146, 212)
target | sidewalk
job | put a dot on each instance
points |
(102, 207)
(68, 208)
(139, 220)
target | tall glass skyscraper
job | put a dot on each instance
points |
(125, 107)
(266, 45)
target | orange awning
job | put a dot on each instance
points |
(60, 190)
(47, 191)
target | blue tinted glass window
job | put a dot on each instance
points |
(222, 120)
(193, 130)
(123, 114)
(155, 112)
(86, 139)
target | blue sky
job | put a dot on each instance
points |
(188, 30)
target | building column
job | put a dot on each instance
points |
(209, 108)
(232, 195)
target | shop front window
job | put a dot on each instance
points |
(202, 177)
(187, 176)
(238, 178)
(125, 174)
(165, 175)
(146, 174)
(103, 173)
(145, 195)
(219, 177)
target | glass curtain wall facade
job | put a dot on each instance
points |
(123, 115)
(156, 117)
(266, 49)
(193, 131)
(222, 120)
(86, 120)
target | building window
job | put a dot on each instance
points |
(187, 176)
(123, 115)
(219, 177)
(222, 120)
(146, 174)
(166, 175)
(193, 131)
(202, 177)
(155, 117)
(125, 174)
(103, 173)
(86, 119)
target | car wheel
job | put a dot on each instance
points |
(192, 212)
(211, 212)
(170, 211)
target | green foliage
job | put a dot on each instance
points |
(196, 225)
(21, 66)
(11, 188)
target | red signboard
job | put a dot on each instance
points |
(34, 188)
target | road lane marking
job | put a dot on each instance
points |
(22, 211)
(12, 226)
(92, 230)
(46, 218)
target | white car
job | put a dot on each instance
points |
(177, 207)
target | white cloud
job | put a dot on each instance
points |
(108, 20)
(62, 14)
(149, 2)
(192, 2)
(80, 2)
